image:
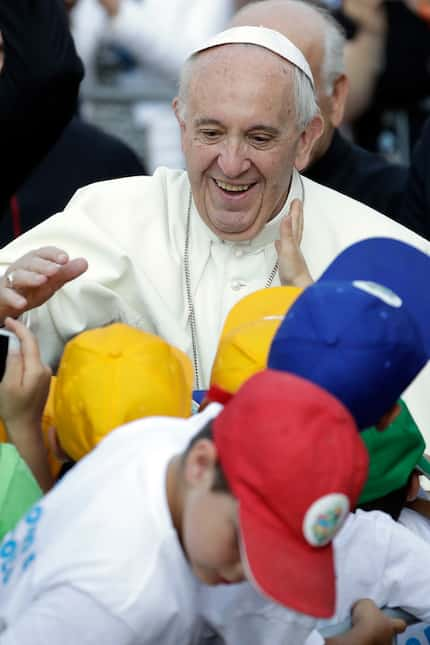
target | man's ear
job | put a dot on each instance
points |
(338, 100)
(177, 105)
(200, 462)
(388, 417)
(307, 139)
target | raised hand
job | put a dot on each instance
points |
(293, 269)
(34, 278)
(23, 394)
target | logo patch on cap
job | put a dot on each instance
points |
(324, 518)
(379, 291)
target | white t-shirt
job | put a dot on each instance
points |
(98, 559)
(241, 615)
(416, 634)
(380, 559)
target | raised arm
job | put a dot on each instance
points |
(39, 85)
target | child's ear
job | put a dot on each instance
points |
(199, 467)
(55, 446)
(413, 487)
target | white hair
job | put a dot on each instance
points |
(305, 102)
(333, 64)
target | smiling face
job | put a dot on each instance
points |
(239, 138)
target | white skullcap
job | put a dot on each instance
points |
(263, 37)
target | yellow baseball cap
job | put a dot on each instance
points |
(242, 353)
(112, 375)
(275, 301)
(246, 338)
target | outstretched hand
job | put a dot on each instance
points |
(34, 278)
(293, 269)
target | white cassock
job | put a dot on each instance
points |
(133, 232)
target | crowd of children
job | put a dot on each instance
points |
(287, 500)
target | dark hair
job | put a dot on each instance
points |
(220, 484)
(392, 503)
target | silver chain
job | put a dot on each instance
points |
(188, 291)
(191, 314)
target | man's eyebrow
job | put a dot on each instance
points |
(266, 128)
(206, 121)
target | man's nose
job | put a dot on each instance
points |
(232, 159)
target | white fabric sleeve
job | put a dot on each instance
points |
(68, 616)
(406, 573)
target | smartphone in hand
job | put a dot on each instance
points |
(8, 341)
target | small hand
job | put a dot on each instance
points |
(380, 629)
(293, 269)
(34, 278)
(23, 394)
(25, 384)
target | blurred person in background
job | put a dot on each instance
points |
(83, 154)
(149, 39)
(38, 84)
(388, 64)
(335, 161)
(416, 203)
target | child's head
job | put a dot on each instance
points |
(241, 354)
(266, 490)
(112, 375)
(396, 459)
(362, 330)
(354, 339)
(246, 337)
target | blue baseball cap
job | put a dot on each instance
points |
(396, 265)
(358, 340)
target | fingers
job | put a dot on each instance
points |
(35, 277)
(14, 361)
(73, 269)
(12, 300)
(296, 212)
(399, 625)
(31, 366)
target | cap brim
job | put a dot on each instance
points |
(290, 572)
(423, 466)
(402, 268)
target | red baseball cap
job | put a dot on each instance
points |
(296, 464)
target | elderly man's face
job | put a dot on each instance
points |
(240, 139)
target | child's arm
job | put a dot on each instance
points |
(23, 393)
(369, 627)
(293, 269)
